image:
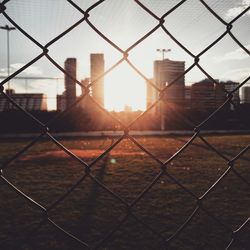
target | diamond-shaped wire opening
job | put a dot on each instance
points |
(226, 50)
(25, 49)
(61, 12)
(118, 85)
(128, 17)
(129, 170)
(89, 212)
(148, 47)
(82, 47)
(165, 207)
(199, 20)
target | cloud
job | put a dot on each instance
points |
(237, 75)
(240, 7)
(238, 54)
(30, 71)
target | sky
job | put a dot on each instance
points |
(123, 22)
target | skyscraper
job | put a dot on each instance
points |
(97, 70)
(165, 72)
(70, 85)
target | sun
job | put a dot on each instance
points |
(124, 88)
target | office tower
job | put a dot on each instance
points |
(70, 84)
(165, 72)
(96, 72)
(245, 95)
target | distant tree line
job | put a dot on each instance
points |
(77, 119)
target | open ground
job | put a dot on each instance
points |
(45, 172)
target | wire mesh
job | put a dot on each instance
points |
(234, 233)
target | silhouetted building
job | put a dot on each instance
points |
(245, 95)
(206, 95)
(165, 72)
(61, 102)
(231, 86)
(70, 84)
(29, 102)
(96, 72)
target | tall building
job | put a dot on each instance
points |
(29, 102)
(165, 72)
(70, 84)
(96, 71)
(245, 95)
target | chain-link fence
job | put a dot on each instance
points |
(233, 234)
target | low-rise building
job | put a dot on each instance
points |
(206, 95)
(28, 101)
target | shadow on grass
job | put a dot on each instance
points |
(91, 203)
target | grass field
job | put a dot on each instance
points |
(90, 212)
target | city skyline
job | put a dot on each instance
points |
(165, 71)
(225, 61)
